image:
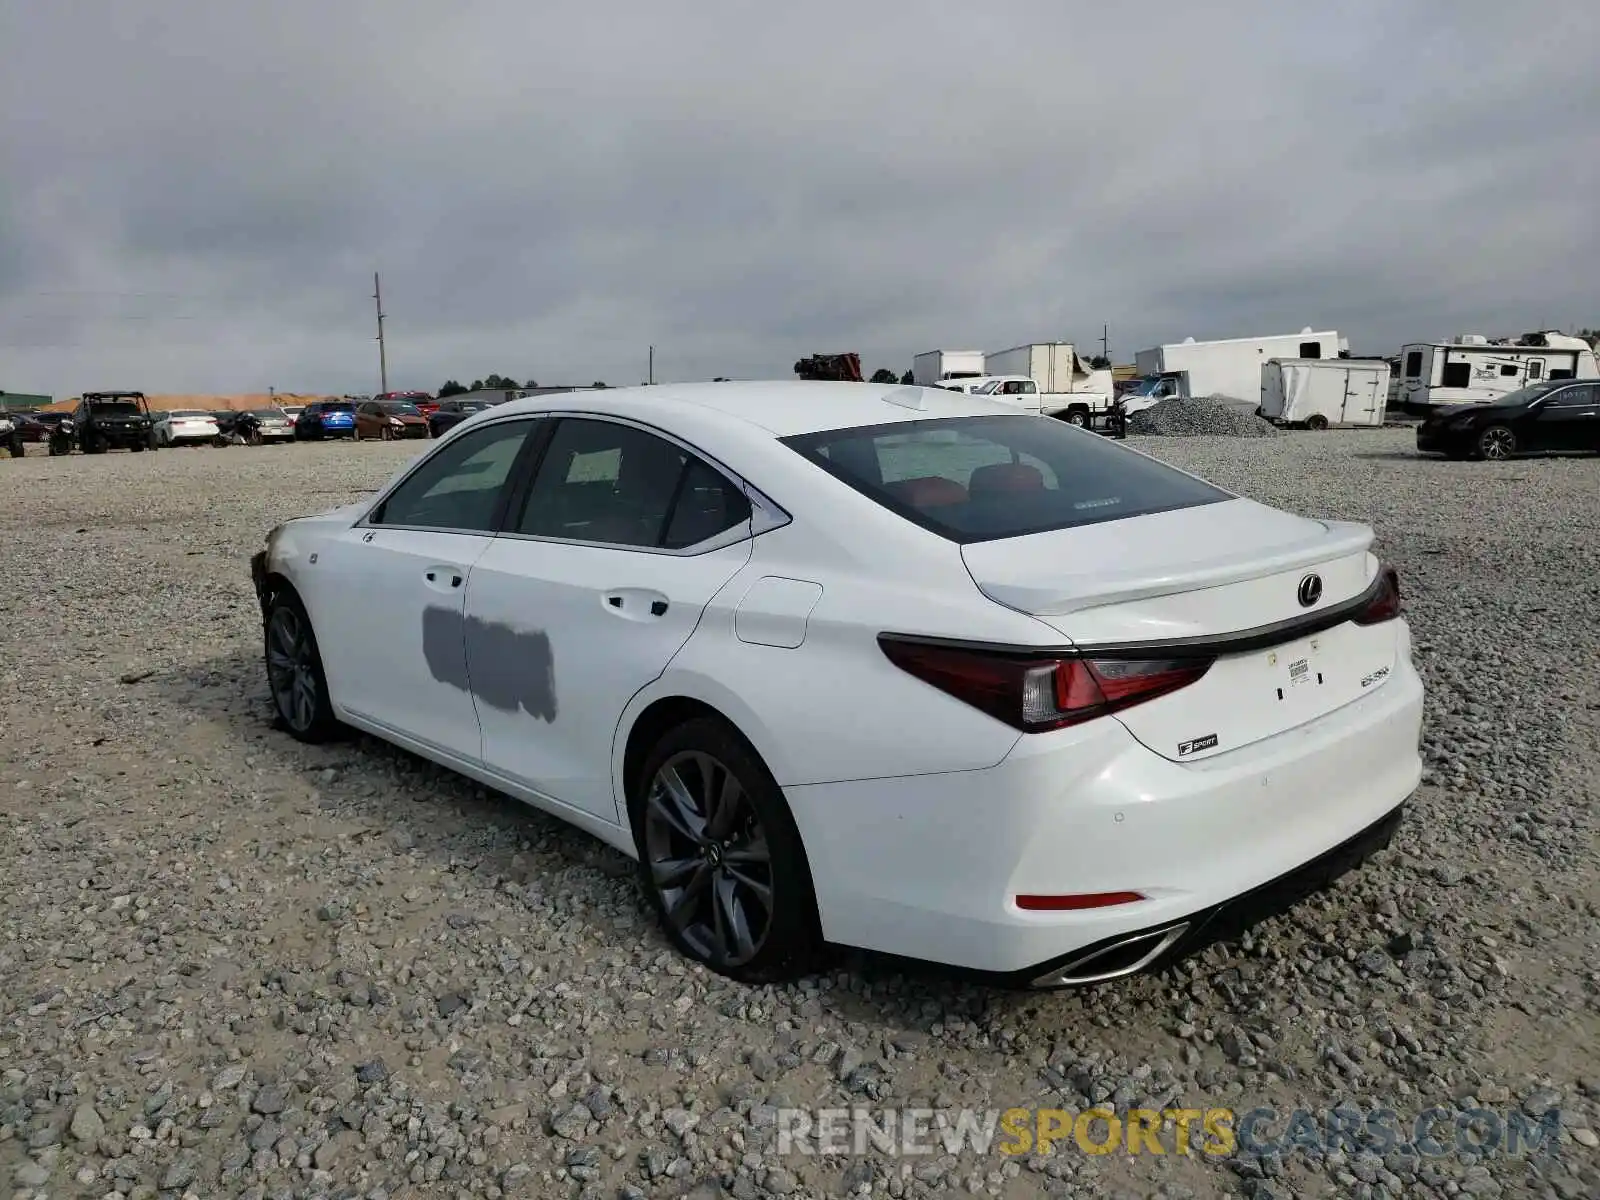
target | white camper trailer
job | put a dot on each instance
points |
(1319, 393)
(1472, 369)
(1232, 368)
(933, 366)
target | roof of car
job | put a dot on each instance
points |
(781, 407)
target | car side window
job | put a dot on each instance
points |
(618, 485)
(1573, 397)
(458, 487)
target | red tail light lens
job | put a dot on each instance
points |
(1036, 693)
(1385, 603)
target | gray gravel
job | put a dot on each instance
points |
(231, 965)
(1201, 416)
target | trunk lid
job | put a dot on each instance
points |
(1191, 582)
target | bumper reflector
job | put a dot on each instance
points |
(1077, 902)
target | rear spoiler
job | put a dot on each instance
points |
(1056, 595)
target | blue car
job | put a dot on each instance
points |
(325, 419)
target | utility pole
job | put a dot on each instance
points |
(1105, 342)
(383, 362)
(652, 375)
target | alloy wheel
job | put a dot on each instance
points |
(709, 858)
(292, 668)
(1498, 444)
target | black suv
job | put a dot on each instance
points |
(106, 421)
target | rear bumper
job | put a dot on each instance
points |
(928, 867)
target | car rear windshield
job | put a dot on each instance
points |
(342, 406)
(976, 479)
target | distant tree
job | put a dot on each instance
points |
(598, 384)
(1099, 363)
(884, 375)
(450, 388)
(498, 383)
(720, 379)
(532, 383)
(907, 379)
(477, 386)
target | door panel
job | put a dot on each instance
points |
(391, 631)
(1569, 420)
(597, 582)
(560, 637)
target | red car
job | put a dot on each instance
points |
(424, 401)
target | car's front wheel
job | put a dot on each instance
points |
(294, 672)
(721, 858)
(1497, 443)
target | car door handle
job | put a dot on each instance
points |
(633, 604)
(443, 579)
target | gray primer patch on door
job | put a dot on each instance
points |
(513, 669)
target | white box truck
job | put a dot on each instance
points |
(932, 367)
(1319, 393)
(1232, 368)
(1054, 366)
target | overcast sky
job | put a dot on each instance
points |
(194, 195)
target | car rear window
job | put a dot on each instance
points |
(975, 479)
(340, 407)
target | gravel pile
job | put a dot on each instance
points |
(1201, 416)
(234, 966)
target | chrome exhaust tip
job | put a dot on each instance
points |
(1126, 957)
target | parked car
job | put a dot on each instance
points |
(1559, 415)
(104, 421)
(424, 401)
(35, 426)
(836, 664)
(451, 413)
(292, 411)
(390, 419)
(272, 425)
(324, 419)
(186, 427)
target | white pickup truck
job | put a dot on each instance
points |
(1091, 410)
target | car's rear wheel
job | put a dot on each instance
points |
(1317, 423)
(1076, 417)
(1497, 443)
(294, 672)
(721, 858)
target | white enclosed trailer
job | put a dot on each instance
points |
(931, 367)
(1056, 367)
(1474, 370)
(1232, 368)
(1319, 392)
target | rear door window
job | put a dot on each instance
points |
(974, 479)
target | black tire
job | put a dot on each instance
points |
(1316, 422)
(295, 677)
(782, 943)
(1497, 443)
(16, 446)
(1076, 417)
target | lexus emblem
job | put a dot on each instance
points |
(1310, 590)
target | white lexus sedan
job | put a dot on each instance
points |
(874, 666)
(186, 427)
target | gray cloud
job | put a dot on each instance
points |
(195, 196)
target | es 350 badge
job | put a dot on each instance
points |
(1369, 680)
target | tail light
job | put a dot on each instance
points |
(1385, 602)
(1037, 693)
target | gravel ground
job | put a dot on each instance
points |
(236, 966)
(1201, 416)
